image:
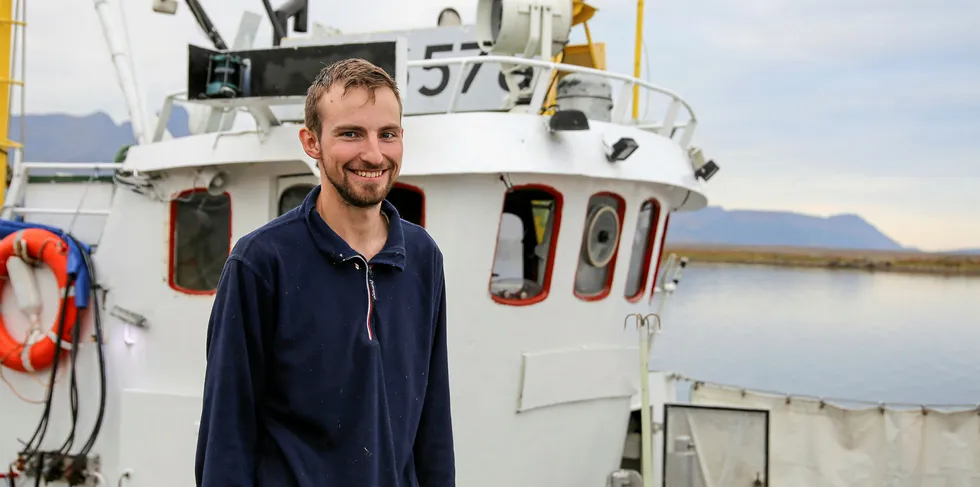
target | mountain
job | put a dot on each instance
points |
(96, 137)
(717, 226)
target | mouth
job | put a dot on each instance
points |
(368, 174)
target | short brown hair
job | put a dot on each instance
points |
(349, 73)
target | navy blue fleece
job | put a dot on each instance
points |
(324, 372)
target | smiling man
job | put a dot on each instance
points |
(327, 361)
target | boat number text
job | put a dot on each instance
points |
(470, 76)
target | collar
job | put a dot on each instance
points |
(338, 250)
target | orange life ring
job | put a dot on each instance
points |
(36, 244)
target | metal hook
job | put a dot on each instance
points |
(639, 320)
(646, 320)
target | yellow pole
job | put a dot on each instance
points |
(638, 56)
(588, 39)
(7, 23)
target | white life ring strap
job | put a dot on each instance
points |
(25, 356)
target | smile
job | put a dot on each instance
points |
(369, 174)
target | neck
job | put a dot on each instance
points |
(364, 229)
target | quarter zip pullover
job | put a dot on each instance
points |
(326, 369)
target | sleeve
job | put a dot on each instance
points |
(234, 378)
(435, 462)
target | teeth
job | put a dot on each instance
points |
(366, 174)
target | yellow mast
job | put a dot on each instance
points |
(638, 52)
(7, 23)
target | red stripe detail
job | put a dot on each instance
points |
(370, 306)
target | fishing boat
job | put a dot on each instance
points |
(550, 197)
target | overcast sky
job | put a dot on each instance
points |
(818, 106)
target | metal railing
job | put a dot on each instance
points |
(18, 186)
(667, 126)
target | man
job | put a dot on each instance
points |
(326, 345)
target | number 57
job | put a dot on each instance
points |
(444, 70)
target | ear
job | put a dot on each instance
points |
(311, 143)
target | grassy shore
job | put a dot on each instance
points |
(866, 260)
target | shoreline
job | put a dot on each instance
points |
(856, 260)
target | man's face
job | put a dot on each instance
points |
(360, 144)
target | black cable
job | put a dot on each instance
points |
(205, 22)
(31, 450)
(278, 30)
(37, 479)
(42, 426)
(73, 386)
(94, 303)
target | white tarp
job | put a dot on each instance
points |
(714, 447)
(826, 445)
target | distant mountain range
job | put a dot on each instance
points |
(97, 138)
(716, 226)
(59, 137)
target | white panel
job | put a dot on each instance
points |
(558, 377)
(84, 195)
(819, 443)
(158, 438)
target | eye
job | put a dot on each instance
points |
(348, 134)
(388, 135)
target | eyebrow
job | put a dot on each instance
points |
(358, 128)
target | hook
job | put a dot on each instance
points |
(639, 319)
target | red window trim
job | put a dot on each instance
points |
(549, 267)
(660, 256)
(607, 287)
(648, 251)
(173, 242)
(420, 192)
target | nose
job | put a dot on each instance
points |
(371, 151)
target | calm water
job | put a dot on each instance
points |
(854, 335)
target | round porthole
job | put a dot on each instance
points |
(602, 236)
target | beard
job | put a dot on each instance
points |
(361, 195)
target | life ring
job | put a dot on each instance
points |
(38, 245)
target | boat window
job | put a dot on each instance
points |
(200, 240)
(293, 196)
(410, 202)
(642, 251)
(526, 238)
(660, 254)
(600, 245)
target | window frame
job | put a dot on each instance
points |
(552, 245)
(660, 256)
(172, 244)
(415, 189)
(611, 266)
(283, 192)
(648, 251)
